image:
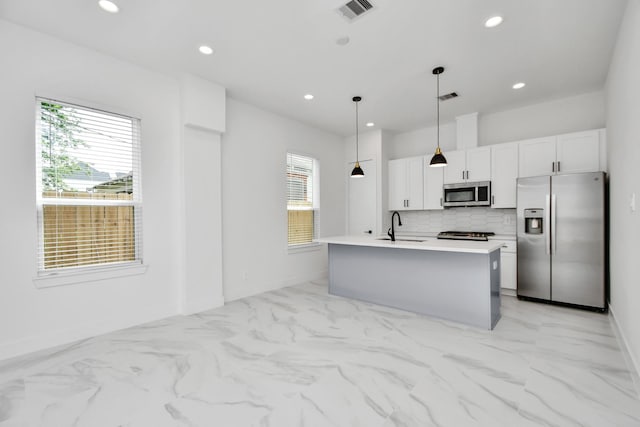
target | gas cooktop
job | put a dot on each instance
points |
(466, 235)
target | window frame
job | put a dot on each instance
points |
(315, 174)
(44, 278)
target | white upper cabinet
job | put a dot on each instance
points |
(433, 179)
(578, 152)
(456, 166)
(537, 156)
(479, 164)
(406, 184)
(504, 172)
(468, 165)
(568, 153)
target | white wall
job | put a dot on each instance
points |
(31, 318)
(254, 215)
(423, 142)
(203, 114)
(202, 289)
(564, 115)
(623, 135)
(572, 114)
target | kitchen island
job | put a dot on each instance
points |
(450, 279)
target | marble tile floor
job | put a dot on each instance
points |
(301, 357)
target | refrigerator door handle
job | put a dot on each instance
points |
(546, 228)
(553, 223)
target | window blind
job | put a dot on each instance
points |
(89, 198)
(302, 199)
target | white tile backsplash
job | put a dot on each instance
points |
(500, 221)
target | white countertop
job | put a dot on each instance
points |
(429, 244)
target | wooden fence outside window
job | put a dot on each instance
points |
(78, 235)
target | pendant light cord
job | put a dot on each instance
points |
(438, 108)
(357, 154)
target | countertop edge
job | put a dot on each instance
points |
(431, 244)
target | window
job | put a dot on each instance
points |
(88, 194)
(302, 199)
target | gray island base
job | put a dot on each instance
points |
(459, 286)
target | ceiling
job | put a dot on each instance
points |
(271, 53)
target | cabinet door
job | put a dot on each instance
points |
(433, 179)
(508, 267)
(397, 184)
(537, 157)
(456, 166)
(579, 152)
(415, 182)
(504, 173)
(479, 164)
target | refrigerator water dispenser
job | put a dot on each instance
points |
(533, 221)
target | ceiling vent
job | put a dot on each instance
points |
(354, 9)
(447, 96)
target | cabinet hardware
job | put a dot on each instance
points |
(368, 232)
(553, 166)
(558, 166)
(493, 200)
(440, 201)
(467, 174)
(407, 202)
(462, 174)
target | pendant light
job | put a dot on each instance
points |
(357, 171)
(438, 159)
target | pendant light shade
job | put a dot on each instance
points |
(357, 171)
(438, 159)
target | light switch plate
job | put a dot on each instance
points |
(632, 202)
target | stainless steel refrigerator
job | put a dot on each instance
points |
(561, 239)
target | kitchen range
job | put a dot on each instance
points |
(481, 236)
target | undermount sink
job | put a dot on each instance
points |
(400, 240)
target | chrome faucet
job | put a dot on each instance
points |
(392, 231)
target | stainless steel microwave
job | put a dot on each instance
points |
(467, 194)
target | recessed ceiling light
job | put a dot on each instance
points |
(494, 21)
(370, 124)
(109, 6)
(342, 41)
(519, 85)
(308, 97)
(205, 50)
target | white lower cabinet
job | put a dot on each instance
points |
(508, 265)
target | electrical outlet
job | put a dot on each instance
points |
(506, 220)
(244, 275)
(632, 202)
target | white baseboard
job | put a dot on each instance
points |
(193, 307)
(509, 292)
(296, 280)
(278, 284)
(48, 339)
(630, 359)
